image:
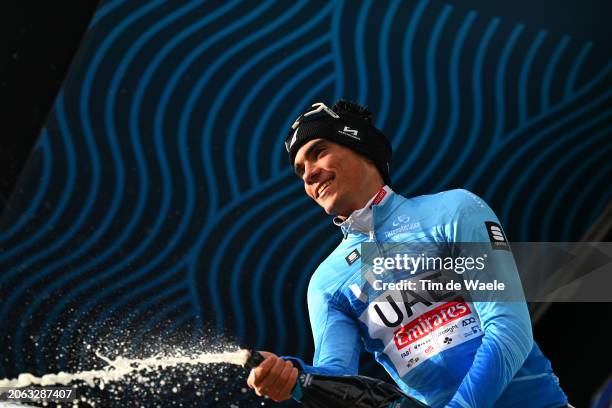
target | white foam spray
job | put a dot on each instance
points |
(120, 367)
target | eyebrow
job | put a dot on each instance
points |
(299, 169)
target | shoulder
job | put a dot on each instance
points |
(447, 204)
(332, 273)
(457, 197)
(460, 199)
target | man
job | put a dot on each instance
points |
(488, 356)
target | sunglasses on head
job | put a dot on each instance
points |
(319, 109)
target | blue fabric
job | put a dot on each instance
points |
(490, 361)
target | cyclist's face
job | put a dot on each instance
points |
(338, 179)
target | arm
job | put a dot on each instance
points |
(336, 337)
(337, 350)
(508, 338)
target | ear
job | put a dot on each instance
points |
(372, 167)
(368, 160)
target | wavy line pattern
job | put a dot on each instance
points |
(158, 198)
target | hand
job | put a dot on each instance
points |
(273, 378)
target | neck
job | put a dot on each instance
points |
(363, 199)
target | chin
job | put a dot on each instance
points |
(332, 204)
(335, 210)
(329, 211)
(328, 208)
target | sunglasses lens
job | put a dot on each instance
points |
(319, 111)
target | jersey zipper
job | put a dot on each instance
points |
(379, 246)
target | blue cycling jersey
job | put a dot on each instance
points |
(490, 361)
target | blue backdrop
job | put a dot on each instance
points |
(159, 195)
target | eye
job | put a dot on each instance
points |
(318, 151)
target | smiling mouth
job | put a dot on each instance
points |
(321, 190)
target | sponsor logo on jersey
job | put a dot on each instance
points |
(402, 224)
(412, 362)
(474, 330)
(420, 344)
(449, 330)
(379, 197)
(352, 257)
(403, 228)
(496, 235)
(401, 219)
(422, 326)
(409, 332)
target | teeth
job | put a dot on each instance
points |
(324, 186)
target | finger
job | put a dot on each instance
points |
(268, 382)
(261, 372)
(266, 354)
(291, 381)
(279, 388)
(279, 384)
(251, 379)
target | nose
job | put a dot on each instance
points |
(311, 173)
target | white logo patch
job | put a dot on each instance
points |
(496, 235)
(347, 131)
(425, 332)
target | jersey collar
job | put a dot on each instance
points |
(361, 220)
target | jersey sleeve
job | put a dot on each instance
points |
(505, 320)
(336, 335)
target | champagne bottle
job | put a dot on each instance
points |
(350, 391)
